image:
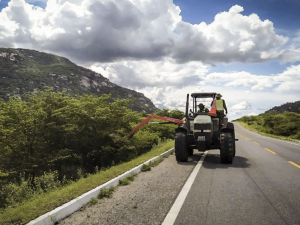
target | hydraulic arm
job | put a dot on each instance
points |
(150, 117)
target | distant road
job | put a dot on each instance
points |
(261, 187)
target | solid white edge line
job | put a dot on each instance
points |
(175, 209)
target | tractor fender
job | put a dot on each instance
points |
(228, 128)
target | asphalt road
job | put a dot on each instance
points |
(261, 187)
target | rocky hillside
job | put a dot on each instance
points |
(23, 71)
(287, 107)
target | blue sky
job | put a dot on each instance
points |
(285, 14)
(249, 50)
(40, 3)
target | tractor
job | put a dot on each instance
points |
(203, 132)
(198, 130)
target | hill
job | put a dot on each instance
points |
(287, 107)
(23, 71)
(282, 121)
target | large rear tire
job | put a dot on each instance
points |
(181, 152)
(227, 148)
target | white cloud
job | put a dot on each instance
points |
(99, 31)
(145, 45)
(166, 83)
(144, 73)
(243, 105)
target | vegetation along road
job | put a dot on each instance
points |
(262, 186)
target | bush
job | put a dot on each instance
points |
(12, 193)
(284, 124)
(50, 138)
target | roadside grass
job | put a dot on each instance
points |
(126, 181)
(157, 162)
(257, 130)
(106, 193)
(147, 167)
(45, 202)
(93, 201)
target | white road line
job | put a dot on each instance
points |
(175, 209)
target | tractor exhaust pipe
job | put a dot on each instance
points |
(187, 111)
(187, 106)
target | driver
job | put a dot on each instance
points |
(202, 109)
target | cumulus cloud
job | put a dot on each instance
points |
(147, 46)
(103, 31)
(230, 37)
(140, 74)
(243, 105)
(166, 83)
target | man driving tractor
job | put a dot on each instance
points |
(202, 108)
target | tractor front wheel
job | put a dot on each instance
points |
(181, 152)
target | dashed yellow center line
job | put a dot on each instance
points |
(271, 151)
(294, 164)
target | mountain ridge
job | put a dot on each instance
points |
(286, 107)
(23, 71)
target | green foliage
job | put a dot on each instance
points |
(146, 167)
(175, 113)
(41, 203)
(50, 139)
(13, 193)
(93, 201)
(106, 193)
(145, 139)
(282, 124)
(126, 180)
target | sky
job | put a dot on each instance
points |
(248, 50)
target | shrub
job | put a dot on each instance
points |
(50, 138)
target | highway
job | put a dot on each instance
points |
(262, 186)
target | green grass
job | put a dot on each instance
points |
(42, 203)
(145, 168)
(93, 201)
(126, 180)
(156, 162)
(279, 125)
(258, 130)
(106, 193)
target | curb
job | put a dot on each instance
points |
(61, 212)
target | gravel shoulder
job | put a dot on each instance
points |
(146, 200)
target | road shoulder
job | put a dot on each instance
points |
(145, 201)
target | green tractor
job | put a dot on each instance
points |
(203, 132)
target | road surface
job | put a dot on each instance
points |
(261, 187)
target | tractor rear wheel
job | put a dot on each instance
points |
(190, 151)
(227, 148)
(181, 151)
